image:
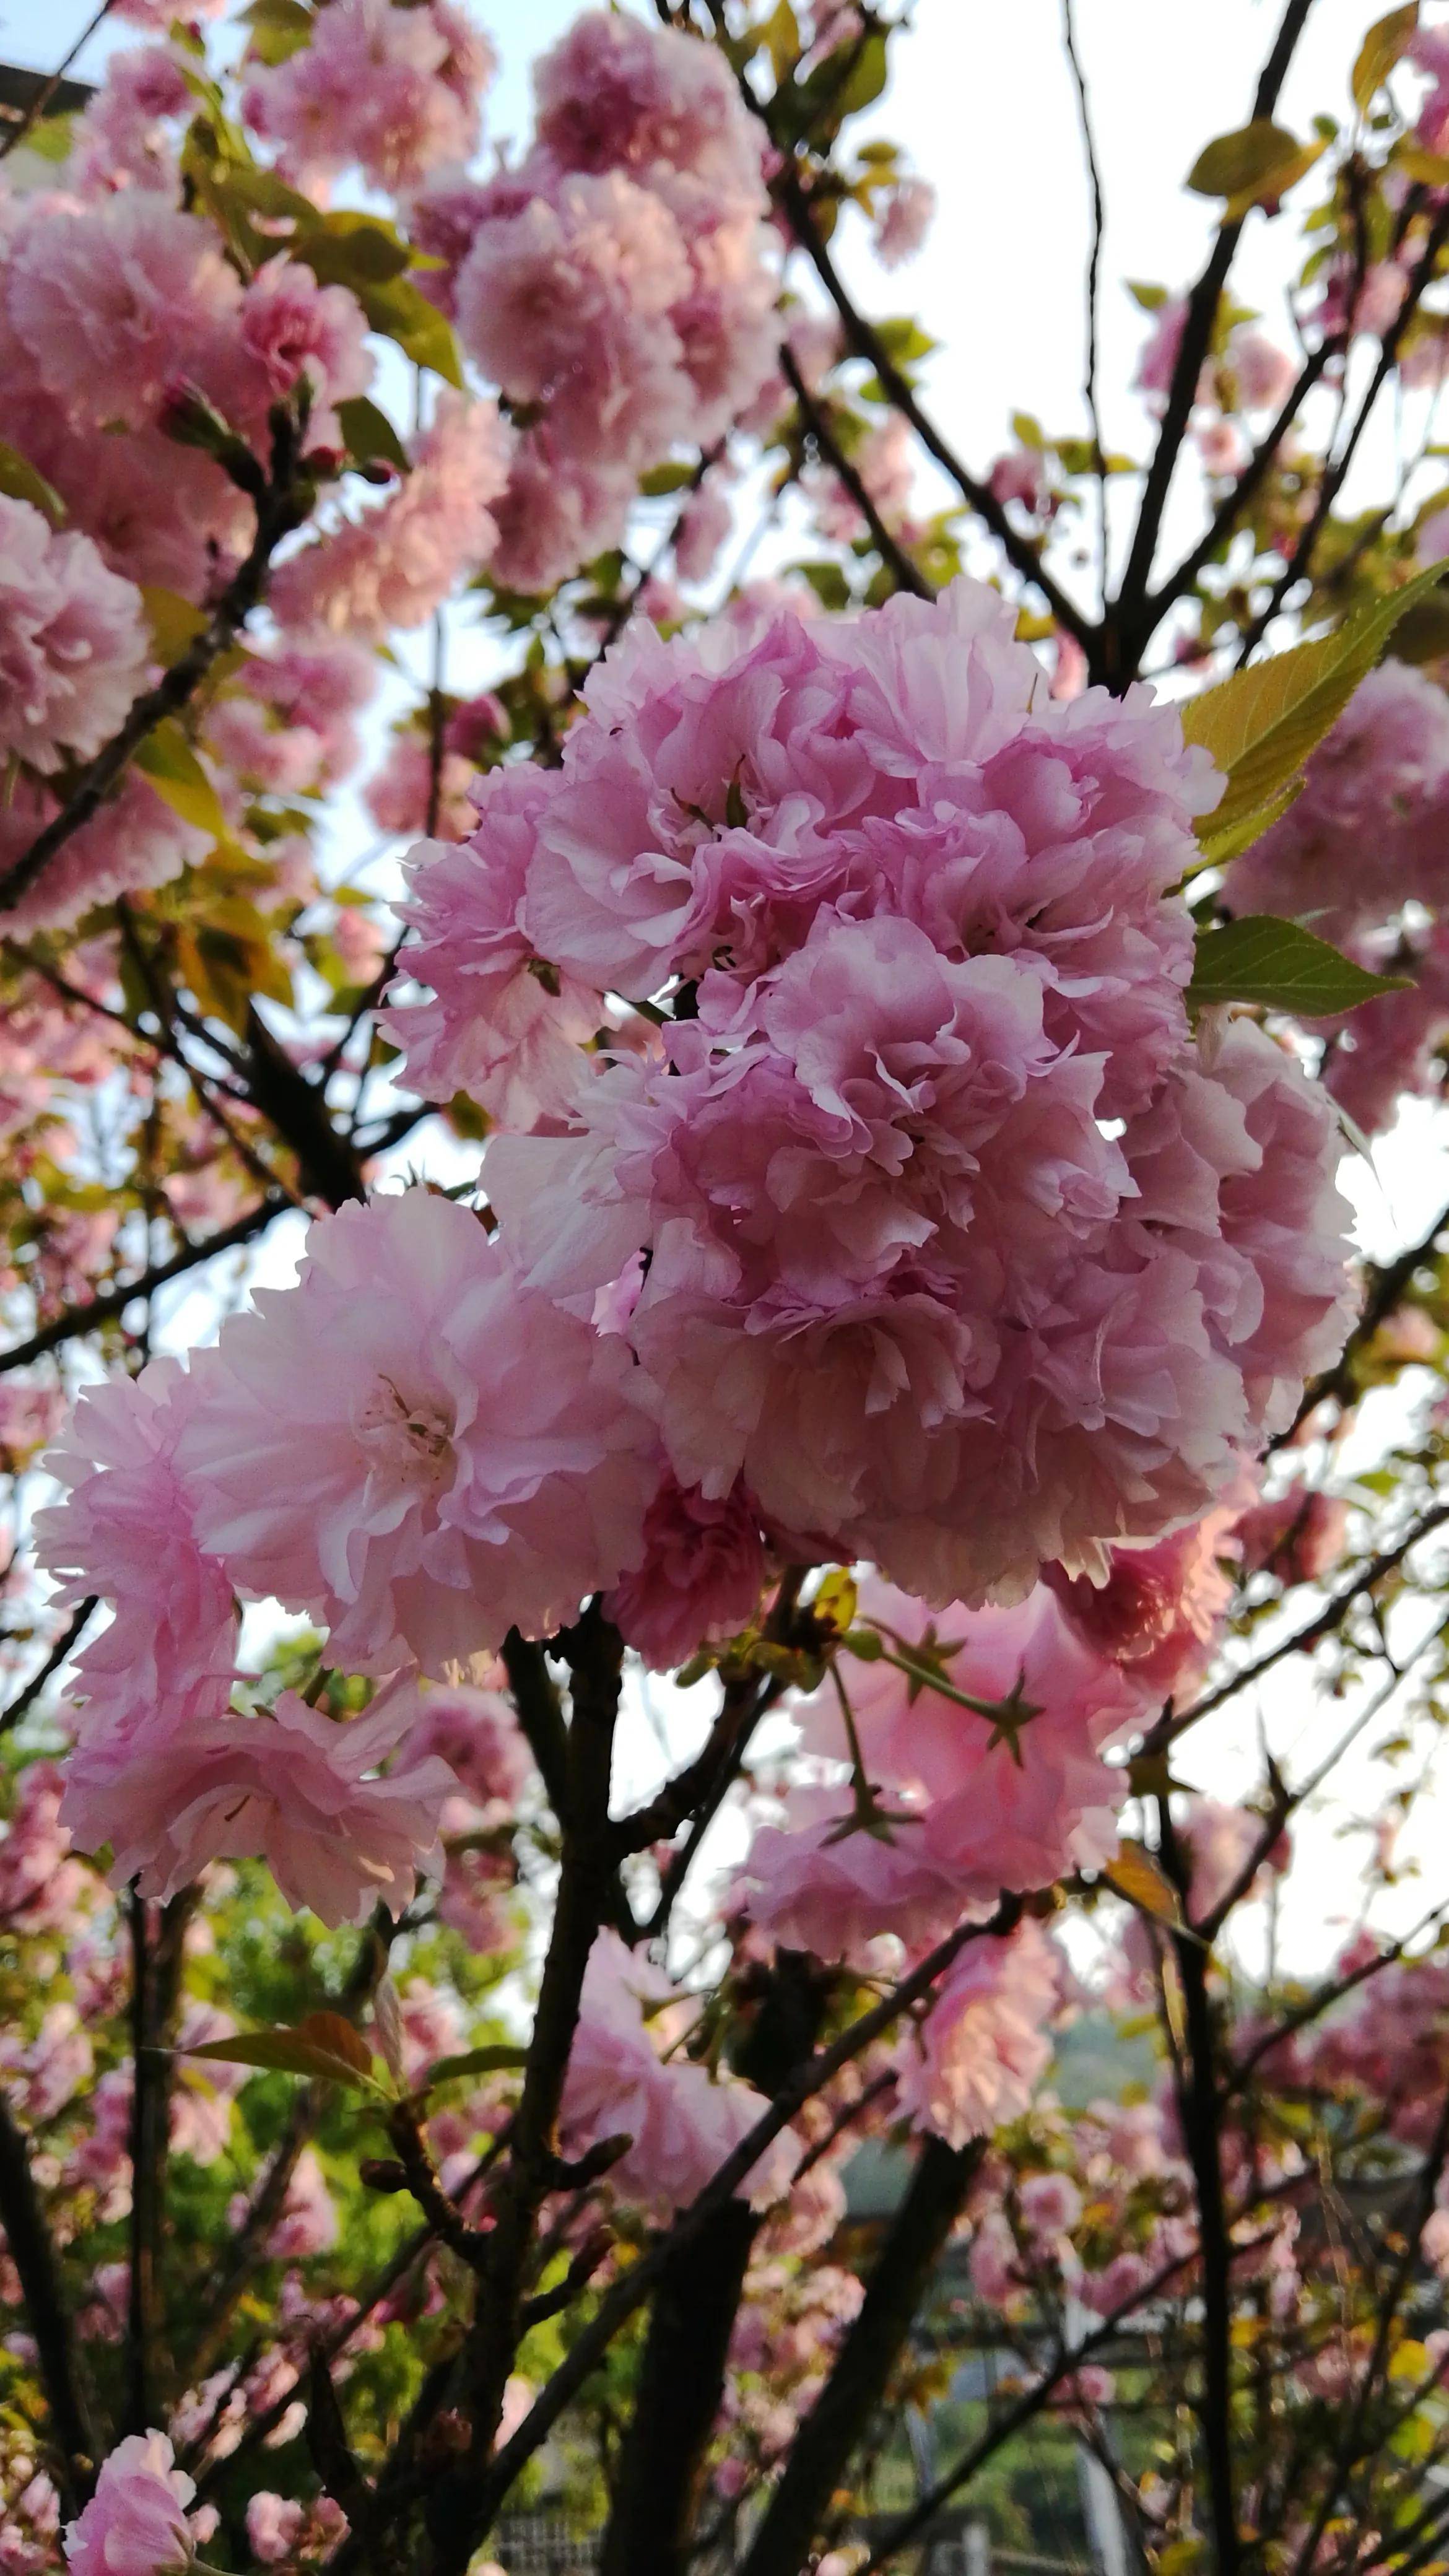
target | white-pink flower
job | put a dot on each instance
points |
(135, 2523)
(974, 2062)
(73, 642)
(413, 1446)
(683, 2121)
(295, 1788)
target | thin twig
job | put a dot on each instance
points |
(1094, 272)
(105, 1308)
(65, 1646)
(48, 87)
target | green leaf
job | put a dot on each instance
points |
(401, 312)
(21, 481)
(1150, 298)
(280, 28)
(370, 434)
(346, 248)
(1282, 967)
(665, 478)
(496, 2059)
(167, 759)
(1387, 39)
(174, 622)
(1261, 724)
(1258, 160)
(287, 2050)
(1238, 835)
(780, 36)
(1027, 430)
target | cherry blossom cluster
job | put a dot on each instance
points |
(615, 284)
(924, 1215)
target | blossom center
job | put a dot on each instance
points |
(409, 1438)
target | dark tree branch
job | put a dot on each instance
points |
(114, 1301)
(629, 2292)
(681, 2383)
(33, 2255)
(908, 575)
(857, 2383)
(281, 501)
(586, 1875)
(1330, 1618)
(1300, 563)
(65, 1646)
(1199, 2110)
(47, 88)
(865, 342)
(155, 1997)
(1197, 331)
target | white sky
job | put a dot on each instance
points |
(983, 103)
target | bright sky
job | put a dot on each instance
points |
(983, 103)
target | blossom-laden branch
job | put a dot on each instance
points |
(1127, 625)
(283, 494)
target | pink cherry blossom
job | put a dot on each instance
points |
(109, 304)
(1299, 1537)
(135, 841)
(394, 90)
(619, 94)
(827, 1886)
(73, 642)
(476, 1733)
(401, 793)
(682, 2121)
(1160, 1609)
(1004, 1804)
(903, 221)
(414, 1447)
(503, 1025)
(899, 1272)
(701, 1575)
(127, 135)
(135, 2523)
(125, 1531)
(295, 1788)
(974, 2062)
(397, 564)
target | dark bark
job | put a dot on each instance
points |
(651, 2526)
(842, 2413)
(47, 2317)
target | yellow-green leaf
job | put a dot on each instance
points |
(370, 435)
(1251, 161)
(174, 622)
(1386, 41)
(1282, 967)
(834, 1604)
(495, 2059)
(1135, 1874)
(168, 761)
(22, 481)
(345, 248)
(401, 312)
(288, 2050)
(1261, 724)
